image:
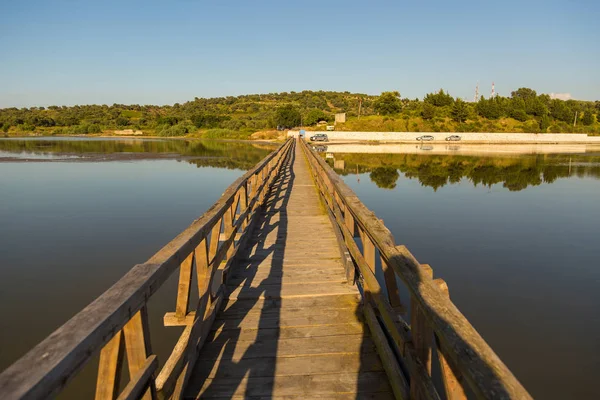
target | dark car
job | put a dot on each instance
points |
(319, 137)
(453, 138)
(425, 138)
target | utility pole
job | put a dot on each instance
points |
(359, 106)
(575, 120)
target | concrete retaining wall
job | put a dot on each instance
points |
(469, 137)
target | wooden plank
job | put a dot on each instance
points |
(137, 346)
(287, 366)
(317, 302)
(109, 368)
(368, 250)
(392, 368)
(328, 396)
(422, 335)
(226, 348)
(271, 317)
(291, 332)
(185, 283)
(252, 322)
(305, 385)
(453, 385)
(297, 291)
(391, 286)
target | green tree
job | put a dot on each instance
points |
(287, 116)
(544, 123)
(314, 116)
(489, 109)
(518, 114)
(388, 103)
(439, 99)
(524, 93)
(561, 111)
(459, 112)
(384, 177)
(428, 111)
(588, 118)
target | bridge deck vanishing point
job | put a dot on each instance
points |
(291, 325)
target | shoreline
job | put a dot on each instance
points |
(142, 137)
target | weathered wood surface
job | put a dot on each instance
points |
(292, 326)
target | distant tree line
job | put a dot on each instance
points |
(524, 110)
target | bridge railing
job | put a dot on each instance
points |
(116, 323)
(468, 366)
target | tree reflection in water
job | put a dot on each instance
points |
(513, 172)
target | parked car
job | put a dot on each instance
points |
(425, 138)
(319, 137)
(453, 138)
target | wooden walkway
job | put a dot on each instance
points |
(291, 327)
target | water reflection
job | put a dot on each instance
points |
(203, 153)
(513, 172)
(72, 224)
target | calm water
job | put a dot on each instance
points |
(515, 237)
(70, 229)
(517, 240)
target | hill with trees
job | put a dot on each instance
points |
(242, 116)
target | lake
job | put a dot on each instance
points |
(515, 236)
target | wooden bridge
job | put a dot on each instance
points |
(303, 294)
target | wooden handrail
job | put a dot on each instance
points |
(466, 359)
(116, 322)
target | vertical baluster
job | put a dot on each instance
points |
(452, 378)
(391, 285)
(183, 289)
(244, 204)
(214, 246)
(109, 368)
(368, 249)
(253, 181)
(137, 346)
(421, 332)
(349, 220)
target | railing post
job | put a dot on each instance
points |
(368, 249)
(183, 289)
(109, 368)
(391, 285)
(451, 378)
(421, 333)
(137, 346)
(244, 204)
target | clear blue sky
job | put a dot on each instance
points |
(162, 52)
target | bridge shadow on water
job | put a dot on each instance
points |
(242, 357)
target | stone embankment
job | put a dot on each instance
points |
(466, 137)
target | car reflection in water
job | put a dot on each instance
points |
(320, 148)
